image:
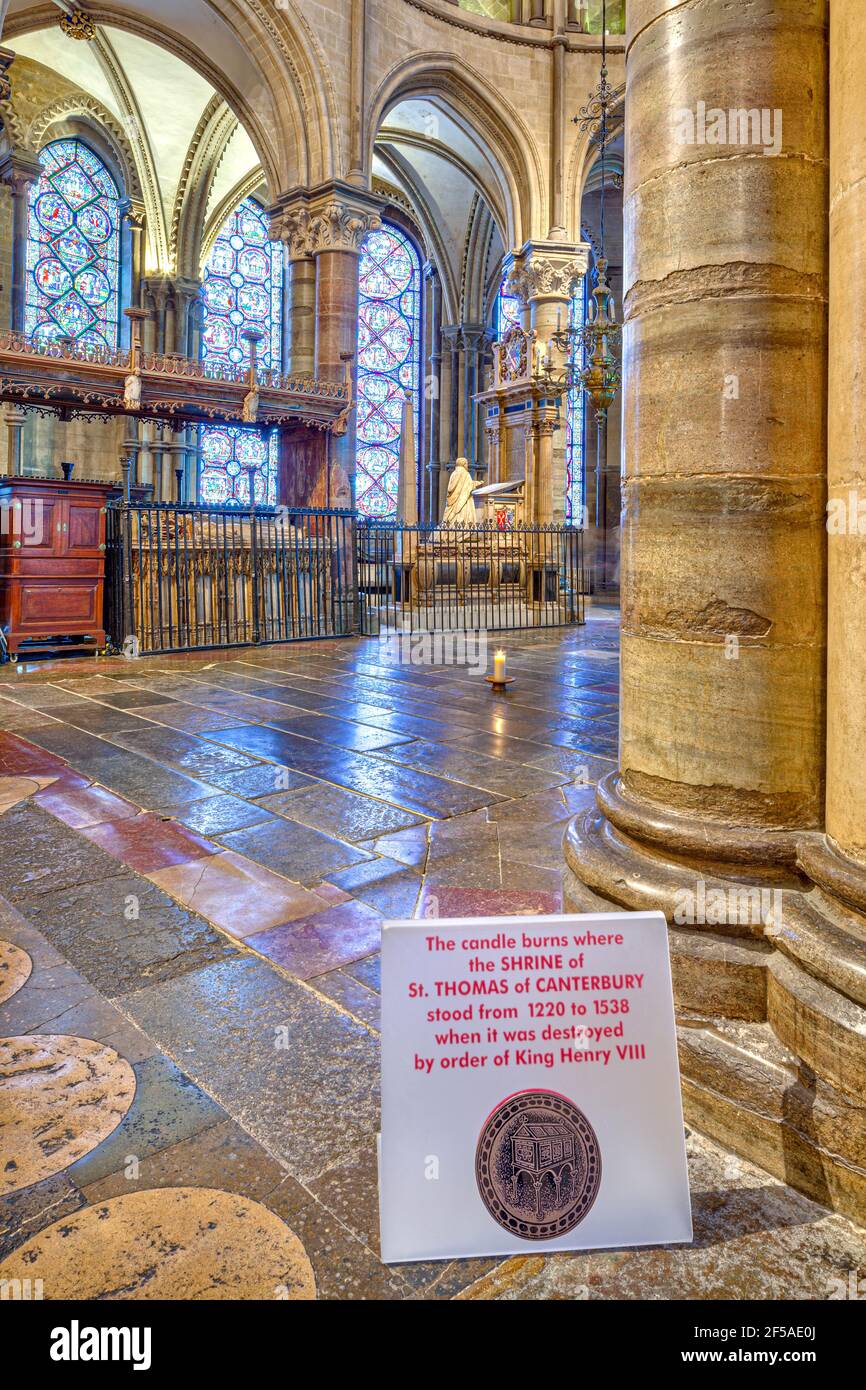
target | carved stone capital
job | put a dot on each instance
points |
(19, 170)
(333, 217)
(547, 270)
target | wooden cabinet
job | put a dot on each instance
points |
(52, 564)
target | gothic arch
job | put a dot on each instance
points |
(519, 198)
(251, 184)
(426, 217)
(581, 163)
(204, 156)
(83, 115)
(287, 101)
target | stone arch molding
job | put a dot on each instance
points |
(92, 112)
(475, 105)
(581, 162)
(289, 110)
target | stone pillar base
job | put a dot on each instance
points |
(769, 974)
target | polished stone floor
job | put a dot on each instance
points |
(197, 855)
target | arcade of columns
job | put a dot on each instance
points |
(323, 231)
(740, 760)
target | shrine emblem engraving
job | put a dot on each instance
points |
(538, 1165)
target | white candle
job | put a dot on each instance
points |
(499, 666)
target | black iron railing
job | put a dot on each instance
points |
(460, 579)
(181, 578)
(186, 578)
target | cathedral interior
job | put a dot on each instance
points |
(429, 488)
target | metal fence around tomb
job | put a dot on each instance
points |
(458, 579)
(184, 578)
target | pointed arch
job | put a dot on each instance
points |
(518, 199)
(270, 70)
(581, 161)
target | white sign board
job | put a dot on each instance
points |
(530, 1087)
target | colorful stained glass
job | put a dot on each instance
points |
(575, 469)
(389, 363)
(242, 288)
(507, 312)
(73, 248)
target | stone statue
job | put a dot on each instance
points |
(459, 506)
(251, 406)
(132, 392)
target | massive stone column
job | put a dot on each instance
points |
(718, 805)
(328, 225)
(300, 334)
(846, 637)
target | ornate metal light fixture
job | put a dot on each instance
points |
(591, 350)
(76, 25)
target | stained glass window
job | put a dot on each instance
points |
(73, 248)
(389, 363)
(242, 288)
(575, 471)
(507, 312)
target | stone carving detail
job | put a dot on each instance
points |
(545, 277)
(335, 226)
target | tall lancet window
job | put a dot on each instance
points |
(73, 248)
(242, 288)
(575, 414)
(389, 363)
(506, 313)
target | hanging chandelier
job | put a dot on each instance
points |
(591, 349)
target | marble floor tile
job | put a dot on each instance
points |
(135, 699)
(413, 791)
(268, 1073)
(41, 855)
(179, 1243)
(184, 751)
(322, 728)
(443, 901)
(381, 883)
(81, 807)
(223, 812)
(25, 757)
(324, 941)
(30, 1209)
(168, 1107)
(147, 842)
(237, 894)
(126, 933)
(356, 998)
(339, 812)
(152, 787)
(60, 1098)
(15, 969)
(219, 1155)
(188, 718)
(262, 780)
(296, 851)
(408, 846)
